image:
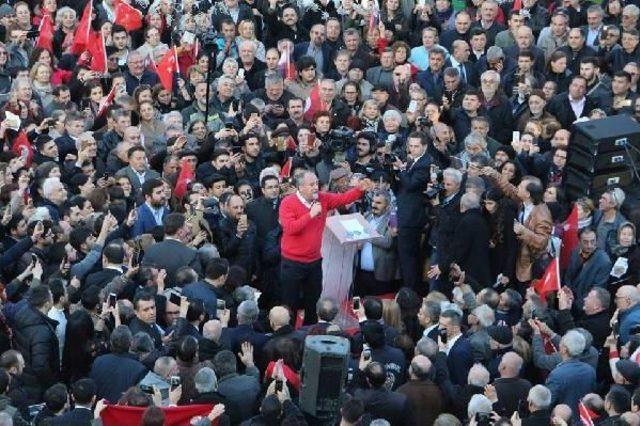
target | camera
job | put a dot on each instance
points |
(340, 138)
(436, 188)
(423, 122)
(443, 335)
(483, 419)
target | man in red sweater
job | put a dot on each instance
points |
(302, 216)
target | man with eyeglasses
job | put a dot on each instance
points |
(628, 304)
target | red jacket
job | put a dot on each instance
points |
(302, 234)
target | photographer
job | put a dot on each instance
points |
(365, 161)
(412, 178)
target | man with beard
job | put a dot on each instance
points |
(138, 170)
(365, 150)
(622, 98)
(53, 197)
(254, 161)
(46, 150)
(238, 235)
(152, 211)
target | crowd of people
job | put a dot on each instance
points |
(161, 238)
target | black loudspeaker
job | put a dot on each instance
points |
(601, 155)
(324, 375)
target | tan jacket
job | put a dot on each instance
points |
(534, 240)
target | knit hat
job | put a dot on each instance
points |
(501, 334)
(5, 10)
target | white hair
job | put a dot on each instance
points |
(453, 174)
(540, 397)
(166, 119)
(478, 376)
(479, 404)
(392, 114)
(49, 185)
(574, 342)
(40, 213)
(486, 316)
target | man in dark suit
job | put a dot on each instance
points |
(238, 236)
(378, 401)
(84, 395)
(457, 347)
(317, 48)
(459, 59)
(152, 212)
(470, 247)
(526, 41)
(460, 32)
(263, 211)
(412, 179)
(244, 332)
(568, 106)
(172, 254)
(431, 79)
(112, 258)
(73, 127)
(137, 171)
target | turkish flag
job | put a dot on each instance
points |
(98, 53)
(287, 68)
(285, 171)
(167, 67)
(186, 176)
(106, 102)
(586, 415)
(45, 39)
(128, 16)
(22, 147)
(550, 281)
(116, 415)
(83, 31)
(569, 237)
(314, 103)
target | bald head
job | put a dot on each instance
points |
(510, 365)
(420, 368)
(279, 317)
(627, 297)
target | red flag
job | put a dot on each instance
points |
(291, 143)
(116, 415)
(151, 64)
(98, 53)
(550, 281)
(22, 147)
(287, 68)
(45, 39)
(314, 103)
(569, 237)
(285, 171)
(127, 16)
(586, 415)
(517, 5)
(106, 102)
(167, 66)
(186, 176)
(83, 31)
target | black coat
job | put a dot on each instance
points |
(115, 373)
(231, 411)
(101, 278)
(264, 215)
(470, 247)
(75, 417)
(35, 338)
(412, 182)
(537, 418)
(499, 111)
(381, 403)
(239, 251)
(171, 255)
(560, 107)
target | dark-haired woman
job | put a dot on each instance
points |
(500, 213)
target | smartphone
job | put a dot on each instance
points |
(221, 305)
(515, 137)
(112, 300)
(356, 303)
(136, 258)
(443, 335)
(147, 389)
(278, 385)
(241, 73)
(243, 219)
(34, 259)
(174, 381)
(311, 140)
(175, 298)
(413, 107)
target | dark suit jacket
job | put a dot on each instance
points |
(561, 109)
(261, 212)
(412, 182)
(239, 251)
(66, 145)
(172, 255)
(460, 361)
(434, 89)
(470, 247)
(473, 78)
(133, 176)
(539, 61)
(244, 333)
(75, 417)
(300, 50)
(101, 278)
(381, 403)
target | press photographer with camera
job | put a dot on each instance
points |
(365, 161)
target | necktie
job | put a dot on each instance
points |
(463, 73)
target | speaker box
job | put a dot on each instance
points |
(324, 375)
(606, 135)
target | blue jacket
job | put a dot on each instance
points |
(203, 291)
(434, 89)
(570, 381)
(582, 277)
(145, 222)
(460, 360)
(115, 373)
(628, 319)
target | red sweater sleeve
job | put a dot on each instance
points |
(292, 222)
(331, 200)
